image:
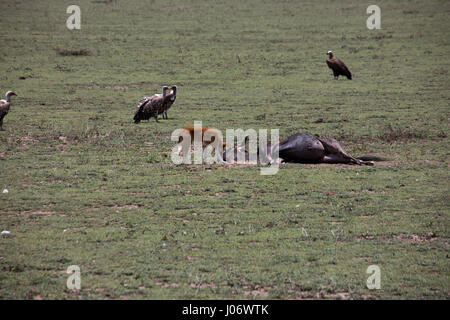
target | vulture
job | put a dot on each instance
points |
(4, 107)
(339, 68)
(169, 100)
(150, 106)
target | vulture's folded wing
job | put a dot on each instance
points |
(4, 108)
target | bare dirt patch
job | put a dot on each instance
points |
(207, 213)
(403, 237)
(40, 213)
(203, 285)
(359, 239)
(175, 186)
(116, 87)
(110, 87)
(129, 206)
(411, 238)
(337, 295)
(74, 52)
(26, 140)
(256, 291)
(219, 194)
(168, 284)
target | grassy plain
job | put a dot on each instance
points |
(88, 187)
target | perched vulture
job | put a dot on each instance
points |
(169, 100)
(150, 106)
(4, 107)
(339, 68)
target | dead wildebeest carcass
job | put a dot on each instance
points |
(306, 148)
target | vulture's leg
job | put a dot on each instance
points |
(156, 118)
(1, 125)
(165, 113)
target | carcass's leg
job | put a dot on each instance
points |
(334, 152)
(338, 158)
(367, 163)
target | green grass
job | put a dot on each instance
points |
(140, 227)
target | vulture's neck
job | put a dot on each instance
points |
(8, 98)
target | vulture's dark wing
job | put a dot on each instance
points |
(138, 115)
(145, 100)
(341, 64)
(339, 67)
(330, 64)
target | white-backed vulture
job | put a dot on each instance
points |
(339, 68)
(4, 107)
(150, 106)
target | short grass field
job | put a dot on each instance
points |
(88, 187)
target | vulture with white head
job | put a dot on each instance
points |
(150, 106)
(339, 68)
(169, 100)
(4, 107)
